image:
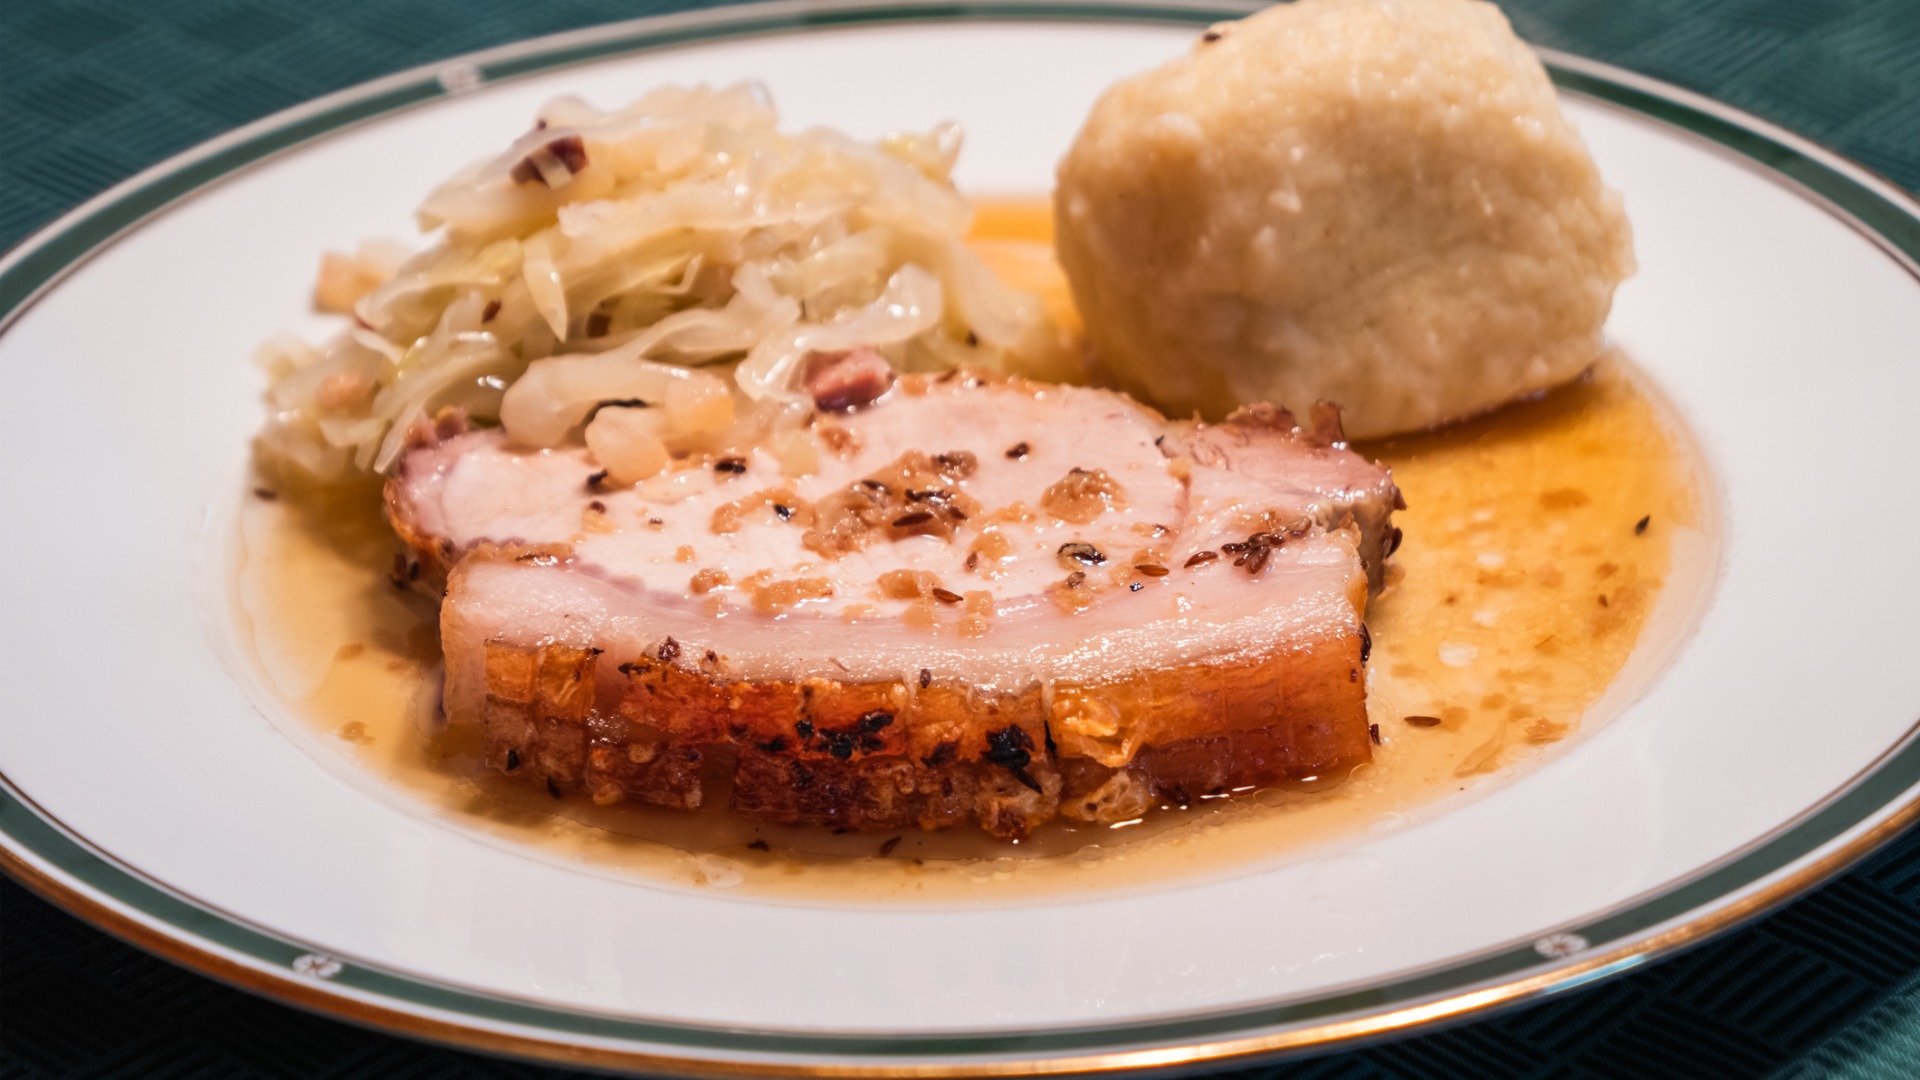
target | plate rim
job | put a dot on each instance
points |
(91, 884)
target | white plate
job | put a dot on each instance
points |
(145, 789)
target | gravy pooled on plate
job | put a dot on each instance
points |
(1526, 585)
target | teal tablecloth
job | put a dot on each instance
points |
(94, 90)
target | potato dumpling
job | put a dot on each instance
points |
(1374, 202)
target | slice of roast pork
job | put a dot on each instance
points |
(993, 600)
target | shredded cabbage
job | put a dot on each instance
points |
(604, 255)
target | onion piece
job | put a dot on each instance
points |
(543, 282)
(627, 444)
(557, 394)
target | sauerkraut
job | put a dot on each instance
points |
(643, 258)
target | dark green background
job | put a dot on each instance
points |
(91, 92)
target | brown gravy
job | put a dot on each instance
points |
(1526, 580)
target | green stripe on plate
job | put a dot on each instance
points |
(43, 259)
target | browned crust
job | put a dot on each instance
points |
(655, 727)
(430, 558)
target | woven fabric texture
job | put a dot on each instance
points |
(92, 91)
